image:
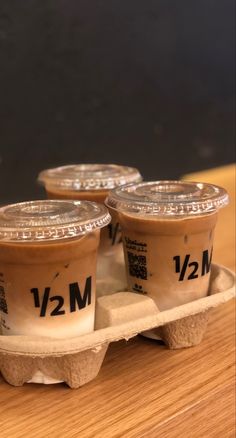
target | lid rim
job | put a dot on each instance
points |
(175, 203)
(76, 218)
(84, 177)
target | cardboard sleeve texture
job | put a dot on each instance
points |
(122, 315)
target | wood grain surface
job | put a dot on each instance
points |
(143, 389)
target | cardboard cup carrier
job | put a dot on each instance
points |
(122, 315)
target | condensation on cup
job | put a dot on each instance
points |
(168, 233)
(93, 182)
(48, 258)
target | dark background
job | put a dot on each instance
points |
(148, 83)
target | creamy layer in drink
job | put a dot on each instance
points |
(48, 258)
(93, 182)
(168, 232)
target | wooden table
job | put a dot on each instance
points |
(143, 389)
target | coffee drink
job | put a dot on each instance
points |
(93, 182)
(48, 260)
(168, 232)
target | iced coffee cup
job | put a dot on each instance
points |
(168, 232)
(48, 258)
(93, 182)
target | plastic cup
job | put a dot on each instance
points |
(93, 182)
(48, 258)
(168, 233)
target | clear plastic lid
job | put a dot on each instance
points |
(168, 198)
(88, 177)
(37, 221)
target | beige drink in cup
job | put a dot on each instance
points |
(48, 258)
(93, 182)
(168, 232)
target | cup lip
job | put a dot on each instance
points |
(88, 177)
(50, 220)
(184, 198)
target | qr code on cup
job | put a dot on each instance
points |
(137, 265)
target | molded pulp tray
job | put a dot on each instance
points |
(122, 315)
